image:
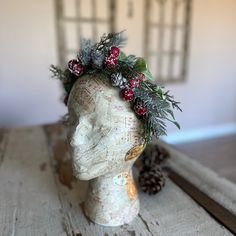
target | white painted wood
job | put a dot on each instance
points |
(200, 134)
(218, 188)
(29, 203)
(32, 203)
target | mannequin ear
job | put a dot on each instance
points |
(134, 152)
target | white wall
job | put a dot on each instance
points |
(28, 47)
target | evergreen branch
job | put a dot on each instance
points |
(112, 39)
(170, 99)
(156, 125)
(57, 73)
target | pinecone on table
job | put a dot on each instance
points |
(154, 155)
(151, 179)
(118, 80)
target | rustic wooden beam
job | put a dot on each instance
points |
(224, 216)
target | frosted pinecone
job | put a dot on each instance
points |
(97, 58)
(85, 52)
(154, 155)
(151, 179)
(118, 80)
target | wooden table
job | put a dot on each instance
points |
(40, 196)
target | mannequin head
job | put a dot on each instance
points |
(104, 133)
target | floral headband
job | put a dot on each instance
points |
(129, 74)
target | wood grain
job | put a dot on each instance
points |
(214, 208)
(219, 189)
(151, 208)
(29, 202)
(35, 201)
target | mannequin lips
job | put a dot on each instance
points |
(81, 169)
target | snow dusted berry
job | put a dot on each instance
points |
(114, 51)
(134, 83)
(140, 110)
(78, 69)
(75, 67)
(71, 63)
(110, 61)
(127, 94)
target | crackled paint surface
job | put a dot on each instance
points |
(105, 140)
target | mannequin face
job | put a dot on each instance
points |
(102, 128)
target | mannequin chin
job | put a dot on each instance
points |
(103, 129)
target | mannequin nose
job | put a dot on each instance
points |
(78, 138)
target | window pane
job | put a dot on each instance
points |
(180, 12)
(177, 67)
(102, 28)
(87, 30)
(86, 8)
(179, 40)
(154, 40)
(165, 66)
(154, 13)
(153, 65)
(167, 39)
(168, 11)
(102, 9)
(71, 39)
(69, 8)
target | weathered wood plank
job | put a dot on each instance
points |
(220, 213)
(171, 212)
(29, 203)
(35, 200)
(218, 188)
(3, 143)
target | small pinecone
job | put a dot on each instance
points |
(85, 52)
(151, 180)
(118, 80)
(97, 58)
(154, 155)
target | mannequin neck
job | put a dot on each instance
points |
(112, 199)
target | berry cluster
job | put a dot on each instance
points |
(75, 67)
(127, 94)
(111, 60)
(129, 74)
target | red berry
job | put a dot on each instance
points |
(71, 63)
(134, 83)
(77, 69)
(110, 61)
(141, 77)
(115, 51)
(127, 94)
(140, 110)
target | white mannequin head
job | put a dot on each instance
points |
(104, 133)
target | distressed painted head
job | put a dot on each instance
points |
(104, 133)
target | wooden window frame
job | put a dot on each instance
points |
(94, 20)
(160, 52)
